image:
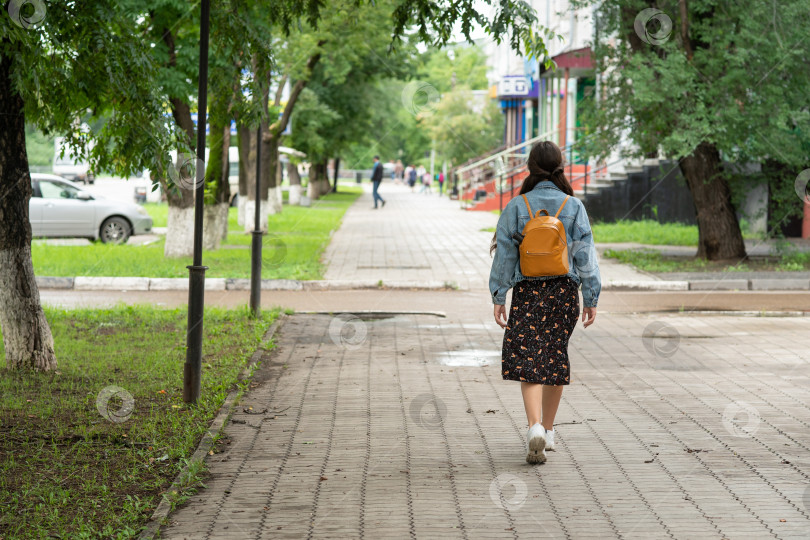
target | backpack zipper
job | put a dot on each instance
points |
(541, 252)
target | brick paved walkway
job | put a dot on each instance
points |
(423, 238)
(673, 427)
(418, 237)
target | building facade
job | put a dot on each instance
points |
(536, 101)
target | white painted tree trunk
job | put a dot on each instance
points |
(241, 203)
(212, 225)
(223, 220)
(180, 232)
(250, 208)
(312, 189)
(295, 194)
(276, 201)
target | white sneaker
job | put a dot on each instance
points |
(550, 440)
(536, 441)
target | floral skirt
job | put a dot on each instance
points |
(541, 318)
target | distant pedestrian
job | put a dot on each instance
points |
(441, 183)
(545, 301)
(393, 170)
(376, 178)
(412, 176)
(399, 172)
(426, 180)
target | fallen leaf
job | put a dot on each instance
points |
(323, 478)
(161, 391)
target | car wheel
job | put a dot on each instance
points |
(115, 230)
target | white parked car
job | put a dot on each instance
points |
(59, 208)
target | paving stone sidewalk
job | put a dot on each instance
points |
(421, 237)
(401, 427)
(415, 237)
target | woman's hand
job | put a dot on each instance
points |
(500, 315)
(588, 316)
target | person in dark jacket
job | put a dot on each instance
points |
(376, 178)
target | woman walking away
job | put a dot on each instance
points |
(544, 271)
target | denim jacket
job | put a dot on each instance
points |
(582, 262)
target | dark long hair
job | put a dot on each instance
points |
(545, 163)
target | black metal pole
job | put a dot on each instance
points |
(256, 244)
(192, 371)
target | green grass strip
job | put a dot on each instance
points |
(293, 248)
(68, 471)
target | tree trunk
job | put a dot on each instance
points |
(217, 188)
(247, 169)
(225, 195)
(270, 178)
(295, 183)
(250, 205)
(719, 234)
(180, 226)
(26, 335)
(317, 175)
(337, 170)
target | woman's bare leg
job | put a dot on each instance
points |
(551, 401)
(532, 395)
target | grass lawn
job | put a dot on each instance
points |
(66, 471)
(653, 261)
(650, 232)
(647, 232)
(293, 250)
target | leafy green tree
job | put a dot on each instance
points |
(173, 30)
(394, 132)
(707, 83)
(460, 65)
(339, 109)
(396, 129)
(63, 62)
(40, 148)
(464, 125)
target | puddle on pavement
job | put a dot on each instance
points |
(469, 358)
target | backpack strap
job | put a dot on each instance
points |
(561, 206)
(528, 206)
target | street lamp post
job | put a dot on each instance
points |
(256, 245)
(192, 370)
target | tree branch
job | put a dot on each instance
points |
(280, 125)
(687, 43)
(280, 90)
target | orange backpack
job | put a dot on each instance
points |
(544, 248)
